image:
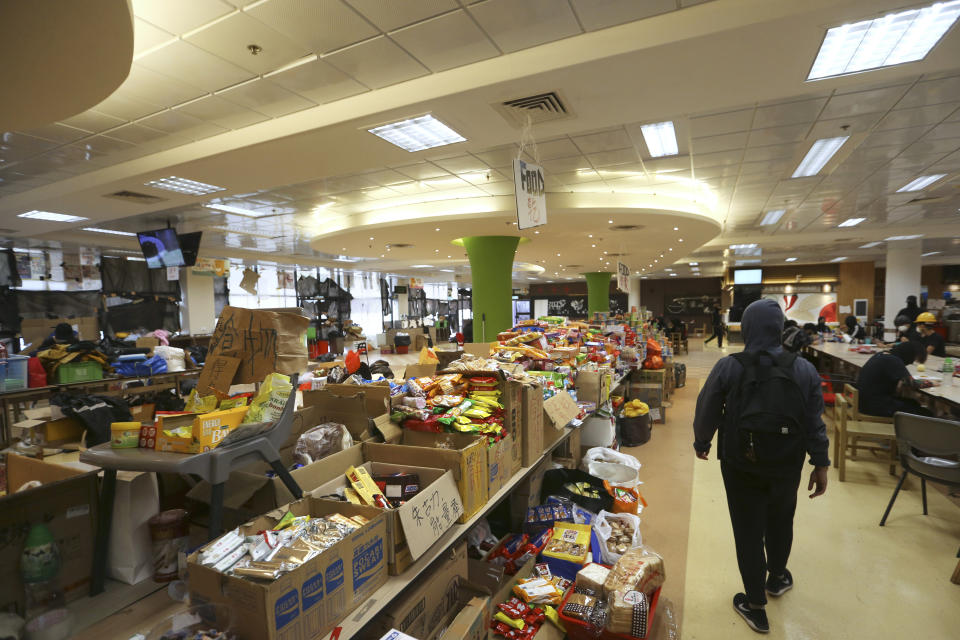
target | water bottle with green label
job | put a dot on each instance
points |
(948, 370)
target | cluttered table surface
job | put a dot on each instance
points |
(948, 390)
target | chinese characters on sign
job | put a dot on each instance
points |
(531, 194)
(623, 277)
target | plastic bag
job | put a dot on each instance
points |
(618, 469)
(270, 401)
(321, 441)
(617, 533)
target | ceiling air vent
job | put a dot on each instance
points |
(542, 107)
(133, 196)
(572, 266)
(626, 227)
(929, 199)
(399, 245)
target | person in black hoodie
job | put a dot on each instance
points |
(884, 374)
(912, 310)
(854, 329)
(762, 499)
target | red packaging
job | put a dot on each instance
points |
(148, 436)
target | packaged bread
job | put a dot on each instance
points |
(640, 569)
(579, 606)
(592, 578)
(628, 612)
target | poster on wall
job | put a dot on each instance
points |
(806, 307)
(210, 267)
(623, 277)
(531, 194)
(690, 304)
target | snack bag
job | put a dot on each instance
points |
(269, 402)
(196, 404)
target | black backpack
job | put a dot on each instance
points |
(764, 430)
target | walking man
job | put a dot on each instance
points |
(767, 405)
(717, 319)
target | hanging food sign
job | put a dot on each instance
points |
(531, 194)
(623, 277)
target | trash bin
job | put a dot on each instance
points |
(402, 342)
(635, 431)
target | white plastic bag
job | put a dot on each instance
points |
(605, 533)
(619, 469)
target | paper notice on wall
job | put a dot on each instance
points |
(173, 274)
(844, 308)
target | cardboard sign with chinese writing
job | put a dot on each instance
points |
(426, 516)
(623, 277)
(217, 375)
(264, 341)
(531, 194)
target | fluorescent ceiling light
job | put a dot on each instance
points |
(345, 259)
(839, 259)
(743, 262)
(910, 237)
(421, 266)
(668, 269)
(673, 274)
(184, 185)
(752, 245)
(661, 139)
(50, 216)
(694, 264)
(851, 222)
(895, 38)
(227, 208)
(921, 183)
(135, 259)
(772, 217)
(818, 156)
(930, 253)
(417, 134)
(446, 270)
(870, 245)
(114, 232)
(790, 260)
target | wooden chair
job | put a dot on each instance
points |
(679, 342)
(849, 427)
(852, 394)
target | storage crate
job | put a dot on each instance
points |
(580, 630)
(13, 373)
(78, 372)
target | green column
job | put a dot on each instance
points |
(491, 267)
(598, 291)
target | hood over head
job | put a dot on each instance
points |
(911, 302)
(762, 325)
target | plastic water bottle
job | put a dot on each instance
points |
(948, 370)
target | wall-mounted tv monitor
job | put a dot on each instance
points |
(190, 246)
(748, 276)
(161, 248)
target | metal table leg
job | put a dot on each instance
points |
(104, 521)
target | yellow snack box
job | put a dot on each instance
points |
(569, 542)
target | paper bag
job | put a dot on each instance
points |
(137, 500)
(264, 341)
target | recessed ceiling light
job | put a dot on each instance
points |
(593, 246)
(676, 228)
(609, 221)
(536, 233)
(437, 229)
(851, 222)
(673, 274)
(417, 134)
(589, 235)
(670, 249)
(371, 237)
(772, 217)
(818, 156)
(345, 259)
(920, 183)
(421, 266)
(930, 253)
(680, 240)
(50, 216)
(238, 210)
(694, 264)
(839, 259)
(870, 245)
(114, 232)
(668, 269)
(661, 139)
(895, 38)
(790, 260)
(910, 237)
(184, 185)
(558, 255)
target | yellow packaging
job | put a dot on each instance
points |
(124, 435)
(268, 404)
(204, 434)
(197, 404)
(364, 485)
(569, 542)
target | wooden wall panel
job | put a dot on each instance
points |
(857, 281)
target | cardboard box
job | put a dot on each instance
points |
(500, 464)
(558, 411)
(208, 429)
(527, 492)
(417, 524)
(419, 370)
(66, 503)
(481, 349)
(148, 342)
(313, 598)
(471, 622)
(34, 331)
(648, 392)
(347, 410)
(530, 442)
(420, 341)
(430, 602)
(463, 454)
(376, 395)
(511, 396)
(593, 386)
(48, 433)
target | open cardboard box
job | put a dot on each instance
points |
(376, 395)
(66, 503)
(351, 410)
(313, 598)
(414, 526)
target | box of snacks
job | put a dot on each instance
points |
(295, 572)
(526, 608)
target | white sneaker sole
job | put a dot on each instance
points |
(750, 623)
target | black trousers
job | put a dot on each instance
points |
(718, 334)
(761, 510)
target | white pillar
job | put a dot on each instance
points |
(197, 309)
(902, 279)
(633, 294)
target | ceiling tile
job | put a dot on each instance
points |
(19, 146)
(932, 146)
(788, 113)
(899, 137)
(377, 63)
(57, 133)
(928, 115)
(519, 25)
(603, 141)
(230, 37)
(319, 81)
(720, 123)
(267, 98)
(422, 171)
(771, 152)
(447, 41)
(778, 135)
(183, 124)
(102, 145)
(559, 148)
(180, 16)
(136, 134)
(393, 15)
(461, 164)
(146, 36)
(387, 177)
(929, 92)
(197, 67)
(222, 112)
(563, 165)
(610, 158)
(93, 121)
(860, 102)
(504, 188)
(505, 155)
(126, 107)
(671, 164)
(719, 158)
(320, 25)
(598, 14)
(945, 130)
(157, 88)
(853, 124)
(723, 142)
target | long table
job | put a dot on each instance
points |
(948, 391)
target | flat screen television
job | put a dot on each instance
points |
(748, 276)
(190, 246)
(161, 248)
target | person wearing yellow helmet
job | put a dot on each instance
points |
(931, 339)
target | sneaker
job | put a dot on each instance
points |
(779, 585)
(756, 618)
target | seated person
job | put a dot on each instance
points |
(884, 375)
(793, 337)
(63, 333)
(853, 329)
(932, 340)
(905, 330)
(812, 333)
(822, 326)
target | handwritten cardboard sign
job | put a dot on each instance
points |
(426, 516)
(217, 375)
(263, 341)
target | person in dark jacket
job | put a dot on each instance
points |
(905, 330)
(884, 375)
(854, 330)
(63, 333)
(762, 505)
(717, 319)
(912, 310)
(822, 326)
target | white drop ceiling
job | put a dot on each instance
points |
(729, 73)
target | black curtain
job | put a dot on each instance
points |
(132, 279)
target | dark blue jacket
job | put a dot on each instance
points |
(762, 326)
